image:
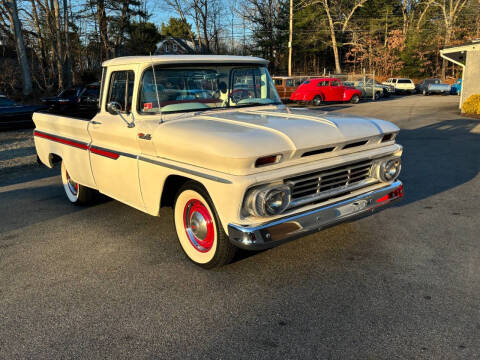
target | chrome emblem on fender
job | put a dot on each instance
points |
(144, 136)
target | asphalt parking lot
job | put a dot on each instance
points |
(108, 281)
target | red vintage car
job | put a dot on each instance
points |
(318, 91)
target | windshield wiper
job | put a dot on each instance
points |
(256, 103)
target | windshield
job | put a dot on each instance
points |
(205, 87)
(68, 93)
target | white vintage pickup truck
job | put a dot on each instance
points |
(209, 136)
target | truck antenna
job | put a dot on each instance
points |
(156, 90)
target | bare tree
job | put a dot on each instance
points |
(16, 25)
(59, 44)
(264, 17)
(182, 9)
(66, 61)
(102, 25)
(41, 44)
(426, 7)
(335, 8)
(206, 16)
(450, 10)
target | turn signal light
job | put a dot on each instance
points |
(266, 160)
(397, 193)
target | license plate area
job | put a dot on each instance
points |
(352, 208)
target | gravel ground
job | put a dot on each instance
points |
(16, 149)
(18, 159)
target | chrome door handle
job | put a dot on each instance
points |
(96, 122)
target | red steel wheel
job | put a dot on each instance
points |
(198, 225)
(199, 229)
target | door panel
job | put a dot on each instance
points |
(323, 87)
(114, 149)
(336, 89)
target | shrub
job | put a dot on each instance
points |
(472, 105)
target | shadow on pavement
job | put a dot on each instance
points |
(31, 205)
(24, 173)
(439, 157)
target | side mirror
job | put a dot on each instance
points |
(114, 108)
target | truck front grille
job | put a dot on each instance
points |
(329, 183)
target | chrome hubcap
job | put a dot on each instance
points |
(198, 224)
(72, 185)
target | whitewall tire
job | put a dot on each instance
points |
(198, 228)
(76, 193)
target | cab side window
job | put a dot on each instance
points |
(121, 89)
(290, 82)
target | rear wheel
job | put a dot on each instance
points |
(355, 99)
(198, 227)
(377, 95)
(76, 193)
(317, 100)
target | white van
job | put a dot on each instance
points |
(401, 85)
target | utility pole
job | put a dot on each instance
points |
(290, 40)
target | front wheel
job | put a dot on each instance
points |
(76, 193)
(377, 95)
(317, 100)
(198, 227)
(355, 99)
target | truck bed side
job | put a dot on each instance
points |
(67, 138)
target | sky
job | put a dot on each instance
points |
(161, 13)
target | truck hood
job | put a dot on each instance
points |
(231, 141)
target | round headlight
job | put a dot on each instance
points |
(276, 201)
(390, 169)
(268, 200)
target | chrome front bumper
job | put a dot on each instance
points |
(282, 230)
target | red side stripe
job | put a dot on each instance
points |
(60, 140)
(108, 154)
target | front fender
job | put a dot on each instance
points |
(311, 94)
(347, 95)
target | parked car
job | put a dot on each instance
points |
(370, 89)
(432, 86)
(318, 91)
(15, 115)
(286, 85)
(77, 101)
(456, 88)
(401, 86)
(245, 173)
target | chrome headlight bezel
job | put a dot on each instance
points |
(384, 174)
(257, 200)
